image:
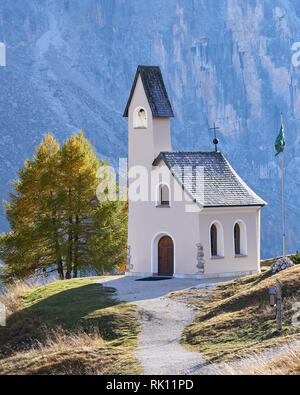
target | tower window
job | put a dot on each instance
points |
(140, 118)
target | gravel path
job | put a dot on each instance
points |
(160, 351)
(162, 322)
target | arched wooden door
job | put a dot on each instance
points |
(165, 256)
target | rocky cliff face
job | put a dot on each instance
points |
(71, 63)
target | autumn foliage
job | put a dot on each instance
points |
(57, 222)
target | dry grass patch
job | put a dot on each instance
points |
(66, 353)
(235, 319)
(69, 327)
(11, 296)
(287, 364)
(284, 361)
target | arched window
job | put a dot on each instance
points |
(164, 195)
(140, 118)
(214, 240)
(240, 238)
(237, 239)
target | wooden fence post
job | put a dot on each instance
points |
(279, 305)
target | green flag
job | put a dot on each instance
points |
(280, 141)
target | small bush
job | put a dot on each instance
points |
(296, 258)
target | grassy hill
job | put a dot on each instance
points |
(68, 327)
(235, 320)
(77, 327)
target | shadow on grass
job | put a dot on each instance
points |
(71, 307)
(83, 307)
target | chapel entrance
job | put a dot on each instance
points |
(165, 256)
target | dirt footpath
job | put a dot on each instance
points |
(163, 321)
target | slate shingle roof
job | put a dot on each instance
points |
(155, 91)
(222, 187)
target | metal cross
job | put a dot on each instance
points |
(215, 141)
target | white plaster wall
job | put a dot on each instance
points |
(147, 223)
(161, 135)
(227, 217)
(187, 229)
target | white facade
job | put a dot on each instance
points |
(182, 220)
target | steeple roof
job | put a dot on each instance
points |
(155, 91)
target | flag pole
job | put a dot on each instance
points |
(282, 185)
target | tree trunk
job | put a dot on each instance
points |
(70, 252)
(69, 258)
(59, 261)
(60, 269)
(76, 249)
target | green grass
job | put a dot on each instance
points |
(66, 309)
(235, 320)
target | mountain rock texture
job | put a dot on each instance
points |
(71, 63)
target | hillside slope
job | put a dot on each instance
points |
(235, 320)
(69, 327)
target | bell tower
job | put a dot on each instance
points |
(148, 111)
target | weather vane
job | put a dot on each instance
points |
(215, 140)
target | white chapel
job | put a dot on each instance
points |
(190, 214)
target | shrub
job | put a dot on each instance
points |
(296, 258)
